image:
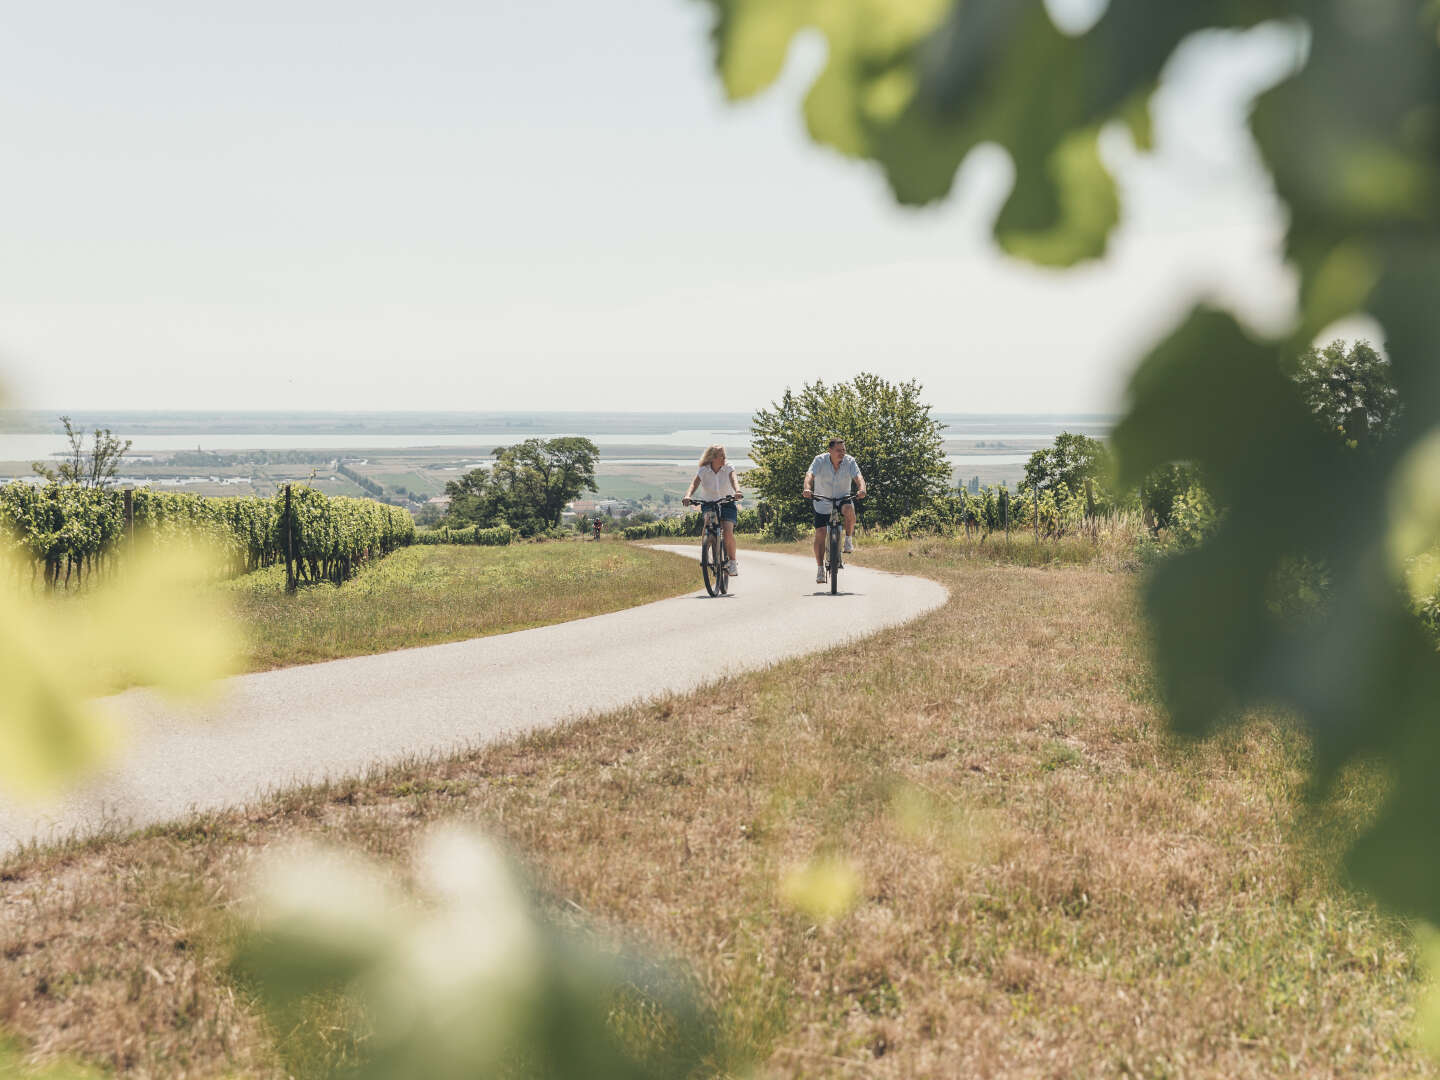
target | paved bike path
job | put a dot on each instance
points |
(296, 725)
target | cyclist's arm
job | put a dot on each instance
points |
(860, 480)
(809, 485)
(694, 483)
(734, 483)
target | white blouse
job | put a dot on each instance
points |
(714, 485)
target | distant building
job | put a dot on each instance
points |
(441, 502)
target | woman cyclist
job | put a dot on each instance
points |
(715, 479)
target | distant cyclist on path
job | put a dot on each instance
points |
(715, 480)
(830, 477)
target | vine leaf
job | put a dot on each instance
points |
(1353, 142)
(915, 85)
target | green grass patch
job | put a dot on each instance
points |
(413, 481)
(427, 595)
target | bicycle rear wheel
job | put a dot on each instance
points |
(711, 567)
(834, 561)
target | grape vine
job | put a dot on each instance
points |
(66, 532)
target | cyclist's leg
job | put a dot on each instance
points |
(848, 510)
(730, 540)
(820, 545)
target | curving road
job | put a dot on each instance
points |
(276, 729)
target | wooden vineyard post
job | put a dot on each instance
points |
(1005, 512)
(1090, 510)
(129, 500)
(1037, 515)
(289, 546)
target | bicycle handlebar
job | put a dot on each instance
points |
(712, 502)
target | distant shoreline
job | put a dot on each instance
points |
(519, 425)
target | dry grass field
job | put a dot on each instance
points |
(1046, 884)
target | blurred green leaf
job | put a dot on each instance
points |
(153, 622)
(825, 888)
(915, 85)
(467, 978)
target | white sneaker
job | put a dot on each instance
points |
(819, 575)
(849, 545)
(732, 568)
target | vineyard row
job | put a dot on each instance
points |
(67, 532)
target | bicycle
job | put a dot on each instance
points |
(712, 546)
(833, 563)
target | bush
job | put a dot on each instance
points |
(942, 516)
(495, 536)
(780, 532)
(1193, 517)
(665, 528)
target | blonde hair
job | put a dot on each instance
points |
(710, 453)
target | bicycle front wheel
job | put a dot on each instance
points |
(834, 561)
(712, 568)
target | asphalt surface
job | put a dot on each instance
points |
(277, 729)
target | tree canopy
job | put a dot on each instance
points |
(886, 427)
(1350, 391)
(527, 487)
(1069, 462)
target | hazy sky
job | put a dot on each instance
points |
(543, 204)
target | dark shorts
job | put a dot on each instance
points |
(730, 512)
(822, 521)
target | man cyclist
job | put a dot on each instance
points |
(830, 477)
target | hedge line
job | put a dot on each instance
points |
(497, 536)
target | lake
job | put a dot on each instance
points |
(34, 447)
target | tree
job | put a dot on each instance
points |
(915, 88)
(527, 487)
(538, 477)
(1350, 391)
(885, 426)
(1071, 461)
(1161, 491)
(474, 500)
(95, 468)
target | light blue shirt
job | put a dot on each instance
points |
(830, 482)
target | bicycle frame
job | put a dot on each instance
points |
(835, 535)
(713, 557)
